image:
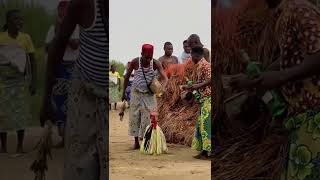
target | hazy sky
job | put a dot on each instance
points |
(133, 23)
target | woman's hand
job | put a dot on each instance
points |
(243, 81)
(271, 79)
(184, 87)
(124, 97)
(196, 86)
(46, 113)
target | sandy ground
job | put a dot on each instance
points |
(125, 164)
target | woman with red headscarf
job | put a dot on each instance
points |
(143, 101)
(64, 71)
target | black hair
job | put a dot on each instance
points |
(8, 15)
(194, 36)
(167, 44)
(198, 50)
(185, 41)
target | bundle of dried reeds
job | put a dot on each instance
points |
(40, 165)
(176, 118)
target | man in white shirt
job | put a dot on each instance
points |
(61, 87)
(186, 54)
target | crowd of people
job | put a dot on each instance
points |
(78, 88)
(79, 91)
(139, 75)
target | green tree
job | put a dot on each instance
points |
(120, 66)
(37, 19)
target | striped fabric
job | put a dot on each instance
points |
(139, 81)
(94, 51)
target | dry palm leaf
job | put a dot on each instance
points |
(40, 165)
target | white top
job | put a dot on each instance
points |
(15, 55)
(184, 56)
(70, 54)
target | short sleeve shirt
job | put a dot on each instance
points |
(23, 40)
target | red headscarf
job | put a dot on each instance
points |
(147, 50)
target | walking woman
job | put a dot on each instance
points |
(15, 90)
(114, 86)
(143, 101)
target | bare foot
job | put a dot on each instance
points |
(136, 146)
(202, 155)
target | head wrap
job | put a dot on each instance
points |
(147, 50)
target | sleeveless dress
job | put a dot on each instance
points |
(142, 103)
(86, 141)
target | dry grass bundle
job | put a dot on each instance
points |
(246, 158)
(178, 124)
(246, 26)
(177, 119)
(40, 165)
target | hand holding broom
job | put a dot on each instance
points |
(122, 110)
(40, 165)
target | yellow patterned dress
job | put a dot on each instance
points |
(114, 93)
(202, 139)
(298, 28)
(15, 113)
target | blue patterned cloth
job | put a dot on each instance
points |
(128, 91)
(60, 91)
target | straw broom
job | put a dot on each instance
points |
(154, 141)
(40, 165)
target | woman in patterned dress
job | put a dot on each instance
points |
(15, 112)
(114, 87)
(298, 30)
(202, 140)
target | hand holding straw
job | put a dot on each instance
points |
(40, 165)
(122, 110)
